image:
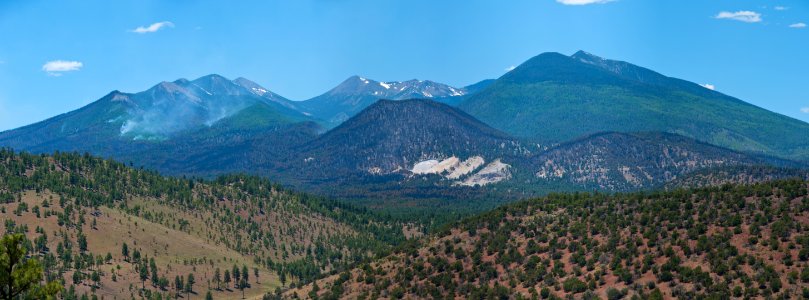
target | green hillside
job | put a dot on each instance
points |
(552, 98)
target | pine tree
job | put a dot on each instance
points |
(136, 256)
(82, 239)
(153, 268)
(245, 274)
(242, 284)
(178, 284)
(96, 278)
(189, 284)
(163, 283)
(144, 274)
(217, 279)
(125, 251)
(76, 277)
(22, 276)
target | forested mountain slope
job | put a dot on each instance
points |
(721, 242)
(612, 161)
(97, 224)
(205, 127)
(553, 98)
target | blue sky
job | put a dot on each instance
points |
(56, 56)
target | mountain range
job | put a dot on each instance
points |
(356, 93)
(552, 98)
(166, 111)
(617, 182)
(555, 122)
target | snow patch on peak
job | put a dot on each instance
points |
(456, 92)
(258, 91)
(385, 85)
(201, 88)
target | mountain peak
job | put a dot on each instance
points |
(357, 93)
(392, 135)
(182, 81)
(547, 56)
(356, 85)
(212, 77)
(407, 110)
(115, 96)
(215, 84)
(584, 55)
(358, 79)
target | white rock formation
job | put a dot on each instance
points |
(494, 172)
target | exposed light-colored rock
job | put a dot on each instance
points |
(494, 172)
(425, 167)
(466, 167)
(375, 170)
(447, 165)
(433, 166)
(550, 170)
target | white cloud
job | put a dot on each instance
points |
(780, 8)
(709, 86)
(56, 67)
(798, 25)
(805, 110)
(583, 2)
(152, 28)
(742, 15)
(510, 68)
